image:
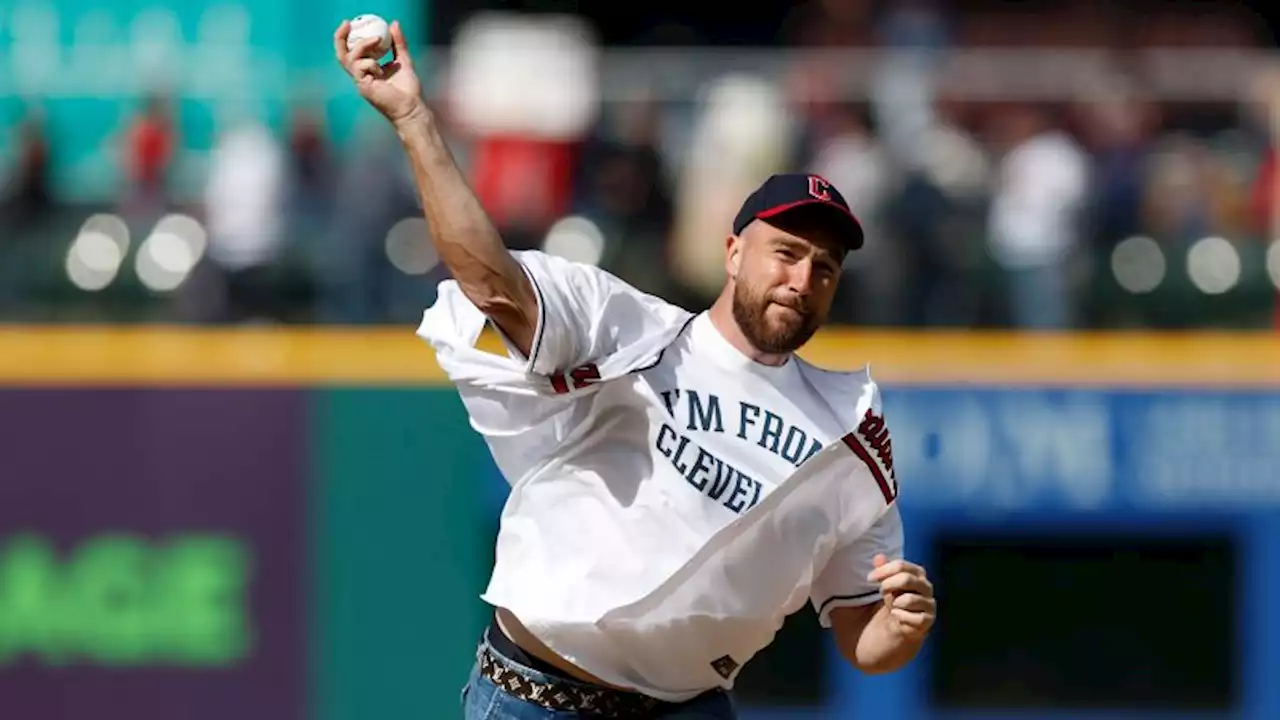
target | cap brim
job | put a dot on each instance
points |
(841, 220)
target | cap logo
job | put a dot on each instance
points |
(819, 188)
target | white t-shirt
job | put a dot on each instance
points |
(1033, 214)
(646, 538)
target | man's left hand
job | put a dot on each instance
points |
(908, 596)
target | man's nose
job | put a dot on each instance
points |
(800, 281)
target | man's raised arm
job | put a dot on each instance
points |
(464, 236)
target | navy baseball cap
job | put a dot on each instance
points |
(789, 191)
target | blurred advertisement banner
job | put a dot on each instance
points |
(1084, 450)
(152, 554)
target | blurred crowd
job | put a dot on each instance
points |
(1110, 206)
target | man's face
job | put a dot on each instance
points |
(784, 276)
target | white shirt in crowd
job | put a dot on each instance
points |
(672, 501)
(1033, 220)
(243, 197)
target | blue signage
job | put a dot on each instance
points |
(985, 450)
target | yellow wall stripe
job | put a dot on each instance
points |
(60, 355)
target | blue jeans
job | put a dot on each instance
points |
(482, 699)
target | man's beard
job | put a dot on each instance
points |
(776, 337)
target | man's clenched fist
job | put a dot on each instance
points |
(908, 594)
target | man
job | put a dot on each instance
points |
(680, 483)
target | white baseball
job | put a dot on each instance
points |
(367, 26)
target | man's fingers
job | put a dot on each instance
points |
(358, 61)
(906, 583)
(913, 603)
(340, 42)
(400, 47)
(914, 620)
(364, 50)
(367, 68)
(908, 594)
(895, 567)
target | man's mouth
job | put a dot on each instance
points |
(792, 308)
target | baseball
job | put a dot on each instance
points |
(366, 26)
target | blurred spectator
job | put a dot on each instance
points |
(373, 191)
(1177, 201)
(903, 91)
(936, 217)
(311, 165)
(742, 135)
(1035, 217)
(26, 195)
(524, 89)
(1265, 193)
(953, 158)
(852, 160)
(1264, 104)
(917, 215)
(525, 183)
(25, 208)
(244, 203)
(1263, 119)
(622, 184)
(1117, 127)
(310, 179)
(150, 145)
(919, 142)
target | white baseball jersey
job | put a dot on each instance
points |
(672, 501)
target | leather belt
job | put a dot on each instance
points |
(568, 696)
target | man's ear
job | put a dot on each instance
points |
(733, 255)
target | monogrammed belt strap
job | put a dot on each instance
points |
(566, 696)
